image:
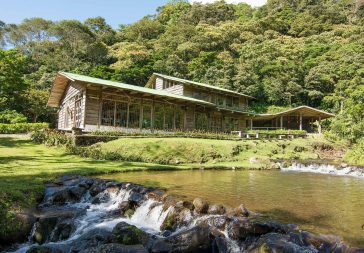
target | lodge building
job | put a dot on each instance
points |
(165, 103)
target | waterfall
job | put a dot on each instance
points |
(326, 169)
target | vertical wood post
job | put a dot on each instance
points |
(127, 115)
(141, 114)
(174, 117)
(114, 113)
(100, 109)
(251, 124)
(319, 125)
(301, 121)
(281, 122)
(152, 116)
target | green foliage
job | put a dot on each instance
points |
(285, 53)
(51, 137)
(19, 128)
(12, 117)
(278, 132)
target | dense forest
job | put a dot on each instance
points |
(285, 53)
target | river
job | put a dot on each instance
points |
(324, 204)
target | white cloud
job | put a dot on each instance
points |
(251, 2)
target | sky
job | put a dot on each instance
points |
(114, 11)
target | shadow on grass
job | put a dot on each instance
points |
(13, 142)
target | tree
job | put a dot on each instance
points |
(103, 31)
(12, 68)
(35, 103)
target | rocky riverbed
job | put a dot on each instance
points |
(80, 214)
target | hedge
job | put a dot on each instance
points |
(20, 128)
(278, 132)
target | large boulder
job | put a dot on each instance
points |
(91, 239)
(127, 234)
(200, 206)
(44, 249)
(116, 248)
(216, 209)
(196, 239)
(274, 242)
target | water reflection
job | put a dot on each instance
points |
(319, 203)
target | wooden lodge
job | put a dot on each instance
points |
(166, 103)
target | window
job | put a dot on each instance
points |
(229, 101)
(107, 114)
(158, 116)
(179, 118)
(220, 100)
(167, 84)
(134, 115)
(147, 116)
(232, 124)
(168, 117)
(236, 102)
(121, 114)
(201, 121)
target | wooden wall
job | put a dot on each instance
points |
(68, 103)
(175, 89)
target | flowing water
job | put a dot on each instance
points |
(319, 203)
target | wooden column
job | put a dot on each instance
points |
(100, 109)
(152, 116)
(114, 113)
(281, 122)
(251, 124)
(141, 114)
(319, 126)
(301, 122)
(127, 115)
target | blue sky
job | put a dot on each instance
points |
(114, 11)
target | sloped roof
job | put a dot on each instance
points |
(204, 85)
(62, 79)
(304, 110)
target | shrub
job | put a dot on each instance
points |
(51, 137)
(19, 128)
(12, 117)
(278, 132)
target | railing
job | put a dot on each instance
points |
(268, 128)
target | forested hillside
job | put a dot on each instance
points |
(286, 53)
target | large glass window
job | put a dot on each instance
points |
(169, 117)
(229, 101)
(179, 117)
(134, 115)
(232, 124)
(147, 116)
(201, 121)
(220, 100)
(158, 116)
(121, 114)
(107, 115)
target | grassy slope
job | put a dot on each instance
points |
(210, 153)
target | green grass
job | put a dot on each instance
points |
(208, 153)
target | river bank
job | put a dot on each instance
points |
(93, 215)
(26, 166)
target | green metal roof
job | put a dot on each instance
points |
(202, 85)
(88, 79)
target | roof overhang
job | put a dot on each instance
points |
(199, 85)
(305, 111)
(62, 80)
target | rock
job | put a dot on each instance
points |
(200, 206)
(241, 229)
(124, 206)
(127, 234)
(219, 222)
(239, 211)
(196, 239)
(216, 209)
(274, 242)
(96, 188)
(102, 197)
(63, 230)
(44, 249)
(116, 248)
(77, 192)
(43, 229)
(91, 239)
(60, 197)
(136, 198)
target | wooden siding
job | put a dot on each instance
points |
(68, 103)
(175, 89)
